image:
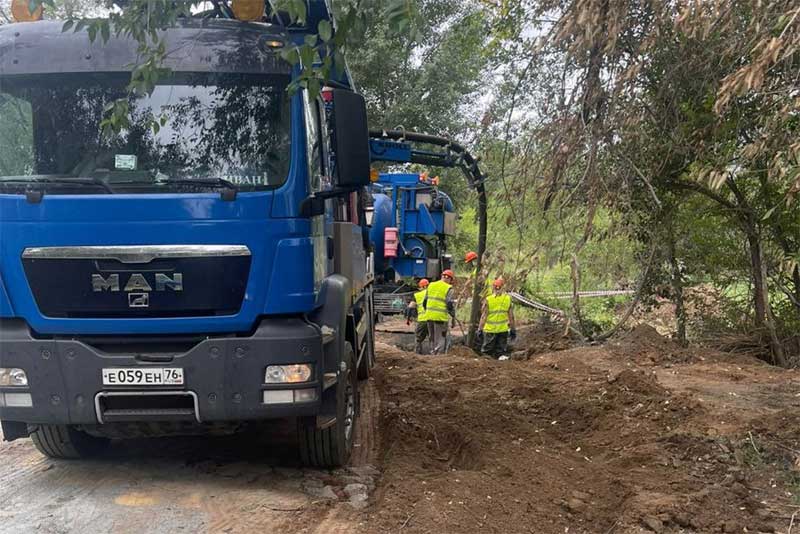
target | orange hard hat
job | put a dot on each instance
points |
(498, 282)
(448, 272)
(470, 256)
(424, 282)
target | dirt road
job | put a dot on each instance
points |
(635, 436)
(237, 484)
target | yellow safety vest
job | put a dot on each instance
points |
(497, 314)
(437, 302)
(422, 315)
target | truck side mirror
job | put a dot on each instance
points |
(351, 136)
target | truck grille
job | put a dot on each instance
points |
(138, 281)
(122, 406)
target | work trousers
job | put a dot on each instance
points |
(438, 331)
(495, 345)
(420, 335)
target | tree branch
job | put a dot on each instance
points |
(636, 298)
(697, 188)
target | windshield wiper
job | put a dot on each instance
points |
(35, 196)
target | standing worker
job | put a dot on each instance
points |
(439, 308)
(497, 321)
(416, 307)
(471, 259)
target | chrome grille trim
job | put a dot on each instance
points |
(134, 253)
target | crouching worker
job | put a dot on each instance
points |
(497, 321)
(416, 309)
(439, 308)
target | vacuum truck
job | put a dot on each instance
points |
(410, 221)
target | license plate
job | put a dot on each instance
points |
(147, 376)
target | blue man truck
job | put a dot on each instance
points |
(205, 268)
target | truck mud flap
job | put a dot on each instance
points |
(332, 318)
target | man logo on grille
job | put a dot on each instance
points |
(138, 300)
(137, 282)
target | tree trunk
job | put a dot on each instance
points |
(477, 301)
(759, 300)
(575, 268)
(763, 318)
(676, 279)
(575, 275)
(796, 280)
(636, 298)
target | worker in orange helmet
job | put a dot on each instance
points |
(439, 308)
(417, 309)
(497, 322)
(471, 258)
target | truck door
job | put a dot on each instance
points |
(318, 180)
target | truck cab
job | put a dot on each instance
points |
(206, 267)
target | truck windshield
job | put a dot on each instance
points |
(206, 128)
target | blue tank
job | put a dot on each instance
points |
(423, 215)
(382, 218)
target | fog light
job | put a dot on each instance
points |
(287, 374)
(12, 376)
(16, 400)
(289, 396)
(282, 396)
(305, 395)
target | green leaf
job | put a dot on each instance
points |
(300, 10)
(314, 87)
(325, 30)
(67, 25)
(310, 40)
(290, 55)
(307, 56)
(105, 31)
(92, 30)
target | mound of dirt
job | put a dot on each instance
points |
(567, 441)
(462, 351)
(645, 346)
(542, 338)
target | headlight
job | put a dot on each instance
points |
(12, 376)
(288, 374)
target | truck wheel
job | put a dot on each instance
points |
(331, 446)
(366, 363)
(65, 442)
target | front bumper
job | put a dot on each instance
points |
(224, 374)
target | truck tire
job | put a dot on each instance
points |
(331, 447)
(65, 442)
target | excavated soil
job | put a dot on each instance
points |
(639, 435)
